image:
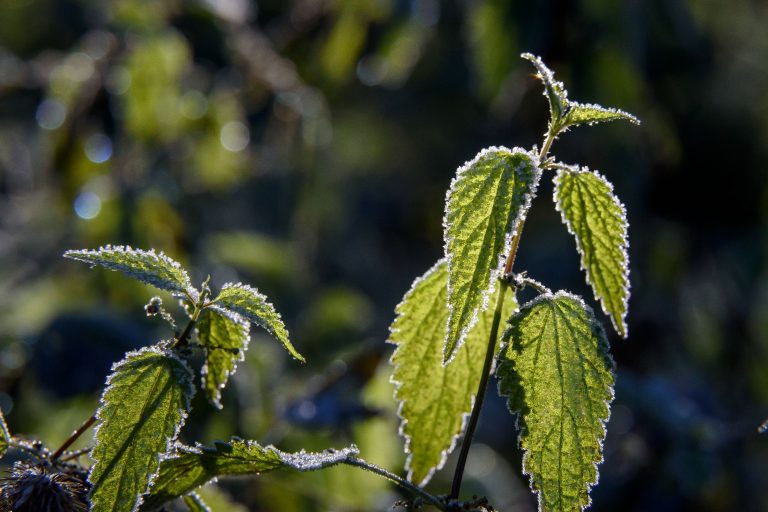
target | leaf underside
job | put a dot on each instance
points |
(141, 412)
(434, 399)
(488, 197)
(557, 374)
(225, 341)
(252, 306)
(598, 221)
(149, 267)
(191, 467)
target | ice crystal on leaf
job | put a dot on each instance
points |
(434, 399)
(142, 410)
(190, 467)
(251, 305)
(484, 205)
(598, 221)
(225, 341)
(557, 374)
(150, 267)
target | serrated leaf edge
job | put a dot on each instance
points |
(293, 460)
(188, 288)
(497, 271)
(596, 327)
(611, 110)
(623, 328)
(246, 325)
(401, 403)
(171, 441)
(228, 312)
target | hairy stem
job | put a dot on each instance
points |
(74, 437)
(493, 337)
(405, 484)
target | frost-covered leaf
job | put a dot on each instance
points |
(565, 113)
(557, 373)
(191, 467)
(149, 267)
(5, 435)
(580, 113)
(553, 90)
(195, 503)
(253, 307)
(434, 399)
(488, 197)
(141, 412)
(597, 219)
(225, 340)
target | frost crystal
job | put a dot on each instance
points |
(155, 269)
(485, 204)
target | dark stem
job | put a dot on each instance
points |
(480, 396)
(183, 339)
(74, 437)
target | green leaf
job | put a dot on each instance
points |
(553, 90)
(191, 467)
(148, 267)
(565, 113)
(142, 410)
(253, 306)
(580, 113)
(434, 399)
(5, 435)
(225, 340)
(597, 219)
(557, 373)
(485, 203)
(195, 503)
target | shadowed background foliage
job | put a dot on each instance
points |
(306, 147)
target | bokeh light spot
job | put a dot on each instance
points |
(235, 136)
(87, 205)
(50, 114)
(98, 148)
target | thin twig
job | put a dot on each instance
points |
(75, 454)
(405, 484)
(74, 437)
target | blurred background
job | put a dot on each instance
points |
(306, 146)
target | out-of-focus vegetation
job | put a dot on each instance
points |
(306, 146)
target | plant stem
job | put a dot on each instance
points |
(74, 437)
(405, 484)
(491, 350)
(183, 339)
(480, 395)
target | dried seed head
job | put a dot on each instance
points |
(38, 488)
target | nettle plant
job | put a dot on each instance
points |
(552, 361)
